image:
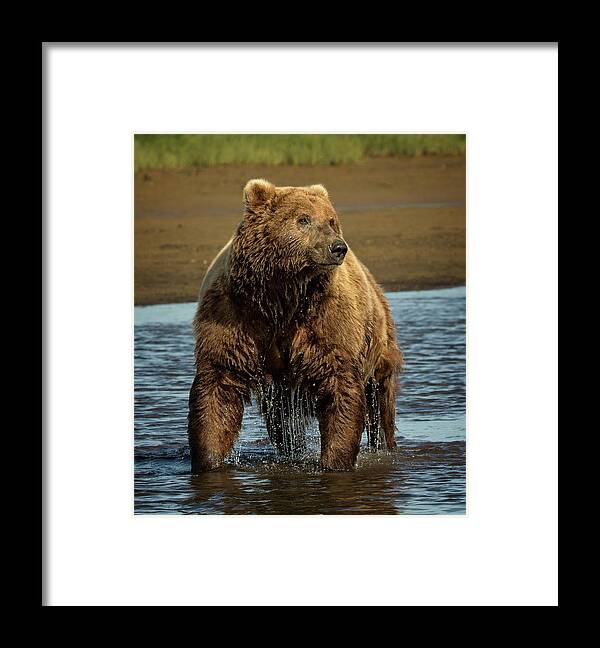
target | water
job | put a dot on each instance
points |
(425, 476)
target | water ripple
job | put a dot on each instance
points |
(425, 476)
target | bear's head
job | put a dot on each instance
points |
(291, 229)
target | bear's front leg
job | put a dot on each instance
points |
(341, 421)
(216, 407)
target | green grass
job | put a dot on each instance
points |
(188, 151)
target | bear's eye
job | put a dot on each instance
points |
(303, 221)
(332, 222)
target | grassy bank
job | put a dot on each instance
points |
(154, 152)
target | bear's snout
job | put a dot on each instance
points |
(338, 250)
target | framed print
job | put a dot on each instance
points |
(300, 318)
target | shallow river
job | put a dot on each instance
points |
(425, 476)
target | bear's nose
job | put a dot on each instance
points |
(338, 250)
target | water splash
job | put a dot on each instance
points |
(288, 411)
(372, 422)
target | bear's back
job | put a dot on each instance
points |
(218, 268)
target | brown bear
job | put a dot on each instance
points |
(287, 312)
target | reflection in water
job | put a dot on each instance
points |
(426, 474)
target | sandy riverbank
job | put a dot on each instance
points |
(404, 218)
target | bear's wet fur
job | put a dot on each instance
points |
(287, 312)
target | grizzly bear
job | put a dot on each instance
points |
(288, 314)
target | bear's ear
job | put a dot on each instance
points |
(319, 189)
(257, 192)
